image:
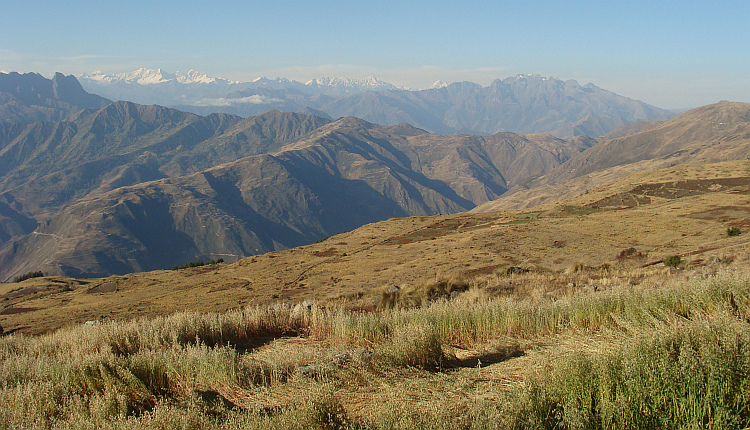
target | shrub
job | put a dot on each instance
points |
(672, 261)
(733, 231)
(198, 263)
(29, 275)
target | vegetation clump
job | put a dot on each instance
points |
(198, 263)
(673, 261)
(29, 275)
(733, 231)
(631, 252)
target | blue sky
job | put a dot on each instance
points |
(670, 54)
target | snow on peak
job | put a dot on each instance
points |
(265, 81)
(368, 83)
(194, 77)
(439, 84)
(145, 76)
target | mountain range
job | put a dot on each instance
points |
(30, 97)
(128, 187)
(520, 104)
(156, 86)
(134, 187)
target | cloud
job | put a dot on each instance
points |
(255, 99)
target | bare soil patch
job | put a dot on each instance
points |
(14, 310)
(105, 287)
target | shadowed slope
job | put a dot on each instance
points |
(336, 178)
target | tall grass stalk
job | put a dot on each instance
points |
(685, 340)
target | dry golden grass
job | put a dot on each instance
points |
(422, 256)
(467, 362)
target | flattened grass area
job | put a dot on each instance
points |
(662, 352)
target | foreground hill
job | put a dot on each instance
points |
(637, 221)
(709, 134)
(335, 178)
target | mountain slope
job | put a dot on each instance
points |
(335, 178)
(713, 133)
(30, 97)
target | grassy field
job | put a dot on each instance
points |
(683, 210)
(564, 317)
(637, 348)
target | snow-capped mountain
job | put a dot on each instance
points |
(520, 104)
(369, 83)
(145, 76)
(156, 86)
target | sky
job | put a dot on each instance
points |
(669, 54)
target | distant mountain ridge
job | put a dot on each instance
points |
(30, 97)
(130, 187)
(709, 134)
(156, 86)
(145, 76)
(133, 187)
(520, 104)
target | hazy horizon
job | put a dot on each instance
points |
(671, 55)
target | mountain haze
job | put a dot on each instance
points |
(520, 104)
(30, 97)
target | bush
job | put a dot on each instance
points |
(672, 261)
(29, 275)
(733, 231)
(416, 345)
(198, 263)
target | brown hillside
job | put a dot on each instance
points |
(710, 134)
(685, 210)
(335, 178)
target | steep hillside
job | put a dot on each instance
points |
(709, 134)
(30, 97)
(47, 165)
(335, 178)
